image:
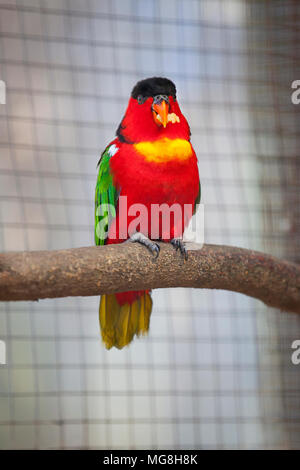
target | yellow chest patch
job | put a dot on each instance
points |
(165, 150)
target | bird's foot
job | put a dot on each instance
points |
(179, 245)
(139, 237)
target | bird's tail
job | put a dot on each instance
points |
(124, 315)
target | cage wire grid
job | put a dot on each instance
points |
(215, 371)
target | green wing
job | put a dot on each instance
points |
(106, 197)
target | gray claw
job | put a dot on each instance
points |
(179, 245)
(153, 247)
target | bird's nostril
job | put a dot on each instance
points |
(159, 98)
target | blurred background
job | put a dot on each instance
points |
(215, 371)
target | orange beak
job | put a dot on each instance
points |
(160, 113)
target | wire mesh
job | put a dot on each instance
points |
(215, 371)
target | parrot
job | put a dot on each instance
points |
(150, 162)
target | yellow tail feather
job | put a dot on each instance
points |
(119, 323)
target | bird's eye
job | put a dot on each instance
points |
(141, 99)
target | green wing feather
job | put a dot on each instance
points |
(106, 198)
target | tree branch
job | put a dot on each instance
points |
(129, 266)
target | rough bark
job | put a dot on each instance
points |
(129, 266)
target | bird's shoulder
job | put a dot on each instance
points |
(110, 150)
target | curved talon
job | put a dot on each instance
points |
(156, 249)
(178, 244)
(153, 247)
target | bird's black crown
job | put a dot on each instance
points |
(154, 86)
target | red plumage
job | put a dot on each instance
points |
(152, 163)
(148, 183)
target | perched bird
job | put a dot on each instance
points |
(150, 162)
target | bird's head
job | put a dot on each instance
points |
(153, 112)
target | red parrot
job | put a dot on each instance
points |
(150, 163)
